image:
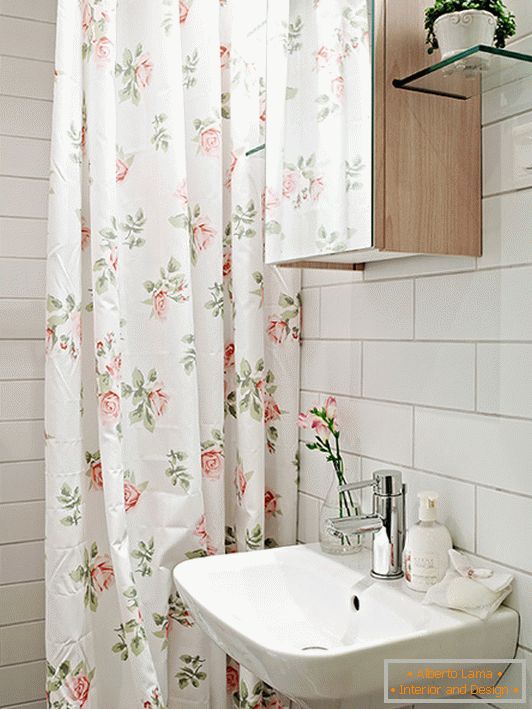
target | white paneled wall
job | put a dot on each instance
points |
(27, 30)
(430, 359)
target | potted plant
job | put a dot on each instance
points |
(456, 25)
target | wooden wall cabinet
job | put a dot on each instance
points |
(426, 155)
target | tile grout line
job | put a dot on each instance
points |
(434, 407)
(436, 474)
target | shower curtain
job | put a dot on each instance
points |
(172, 352)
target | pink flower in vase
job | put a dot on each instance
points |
(330, 407)
(319, 427)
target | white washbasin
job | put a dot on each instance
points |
(268, 609)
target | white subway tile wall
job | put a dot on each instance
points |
(430, 359)
(27, 32)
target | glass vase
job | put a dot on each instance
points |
(339, 504)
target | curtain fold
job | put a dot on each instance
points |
(172, 352)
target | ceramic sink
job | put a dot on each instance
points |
(318, 627)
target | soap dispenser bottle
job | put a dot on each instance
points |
(426, 554)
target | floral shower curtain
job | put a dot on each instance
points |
(172, 353)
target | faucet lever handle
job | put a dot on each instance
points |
(384, 482)
(357, 486)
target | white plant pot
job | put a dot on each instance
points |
(458, 31)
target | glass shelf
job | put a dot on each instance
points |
(470, 73)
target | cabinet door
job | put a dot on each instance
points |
(428, 148)
(318, 198)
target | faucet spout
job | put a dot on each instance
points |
(361, 524)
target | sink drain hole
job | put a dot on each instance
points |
(356, 603)
(314, 647)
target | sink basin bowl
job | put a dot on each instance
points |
(290, 616)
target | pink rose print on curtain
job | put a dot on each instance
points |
(177, 612)
(94, 24)
(207, 136)
(290, 182)
(287, 322)
(171, 287)
(337, 86)
(95, 573)
(132, 492)
(102, 573)
(143, 71)
(278, 330)
(85, 235)
(123, 163)
(135, 71)
(103, 50)
(225, 56)
(322, 57)
(271, 503)
(212, 456)
(94, 471)
(63, 325)
(210, 141)
(108, 363)
(110, 407)
(229, 356)
(211, 464)
(149, 396)
(65, 681)
(241, 479)
(182, 192)
(230, 171)
(232, 678)
(203, 232)
(79, 688)
(200, 231)
(158, 399)
(183, 11)
(302, 183)
(200, 531)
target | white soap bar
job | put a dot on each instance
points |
(466, 593)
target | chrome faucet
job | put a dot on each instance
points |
(387, 522)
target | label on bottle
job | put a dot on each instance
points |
(423, 570)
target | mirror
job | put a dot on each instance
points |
(318, 197)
